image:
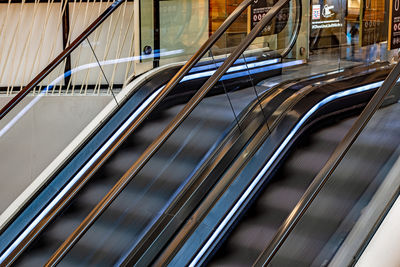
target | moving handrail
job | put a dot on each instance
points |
(161, 139)
(18, 247)
(59, 59)
(326, 172)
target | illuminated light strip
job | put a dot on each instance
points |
(63, 192)
(218, 64)
(18, 116)
(231, 69)
(268, 165)
(255, 71)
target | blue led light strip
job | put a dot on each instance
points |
(231, 69)
(218, 64)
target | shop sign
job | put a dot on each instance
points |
(260, 8)
(323, 17)
(394, 25)
(372, 18)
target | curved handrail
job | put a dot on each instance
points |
(59, 59)
(326, 172)
(167, 132)
(293, 39)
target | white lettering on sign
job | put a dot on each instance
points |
(327, 12)
(326, 24)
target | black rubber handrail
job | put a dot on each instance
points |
(323, 176)
(59, 59)
(167, 132)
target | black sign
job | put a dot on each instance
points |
(372, 22)
(260, 8)
(394, 24)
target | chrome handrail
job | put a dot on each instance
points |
(174, 124)
(326, 172)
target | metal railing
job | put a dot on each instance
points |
(41, 26)
(323, 176)
(61, 58)
(161, 139)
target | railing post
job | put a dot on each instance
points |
(65, 34)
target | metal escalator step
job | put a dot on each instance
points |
(308, 163)
(98, 239)
(165, 170)
(125, 202)
(299, 255)
(264, 225)
(278, 199)
(336, 133)
(196, 136)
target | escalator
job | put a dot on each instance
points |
(222, 233)
(155, 201)
(54, 197)
(150, 191)
(262, 220)
(319, 233)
